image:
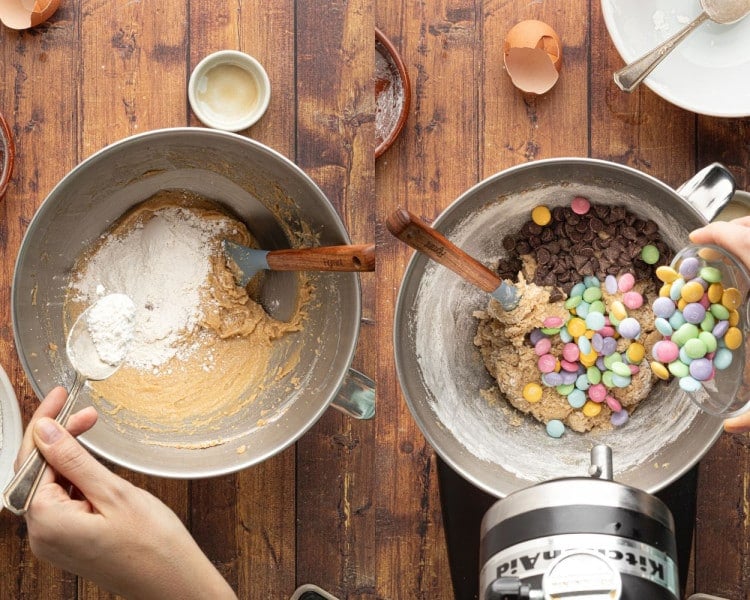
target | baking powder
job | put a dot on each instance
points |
(162, 264)
(110, 322)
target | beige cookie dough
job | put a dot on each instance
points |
(221, 363)
(502, 339)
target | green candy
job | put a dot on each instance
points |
(686, 332)
(597, 306)
(607, 379)
(719, 311)
(621, 369)
(678, 369)
(592, 294)
(573, 302)
(650, 254)
(708, 322)
(695, 348)
(709, 339)
(565, 389)
(612, 359)
(594, 375)
(710, 274)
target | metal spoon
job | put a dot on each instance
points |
(88, 365)
(724, 12)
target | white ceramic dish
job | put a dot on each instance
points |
(10, 427)
(229, 90)
(707, 73)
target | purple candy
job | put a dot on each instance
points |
(600, 364)
(701, 369)
(663, 307)
(535, 336)
(609, 345)
(689, 267)
(610, 284)
(552, 379)
(628, 328)
(596, 341)
(568, 377)
(693, 312)
(702, 281)
(720, 329)
(619, 418)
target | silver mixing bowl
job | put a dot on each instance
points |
(248, 178)
(441, 371)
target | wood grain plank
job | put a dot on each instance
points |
(434, 159)
(335, 146)
(37, 97)
(244, 521)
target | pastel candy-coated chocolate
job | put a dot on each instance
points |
(555, 428)
(629, 328)
(694, 312)
(663, 307)
(689, 267)
(701, 369)
(626, 282)
(619, 418)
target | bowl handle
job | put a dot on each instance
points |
(709, 190)
(356, 396)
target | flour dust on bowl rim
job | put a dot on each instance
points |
(255, 184)
(442, 373)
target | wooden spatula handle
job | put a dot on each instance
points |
(416, 233)
(324, 258)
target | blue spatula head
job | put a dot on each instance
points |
(248, 260)
(507, 295)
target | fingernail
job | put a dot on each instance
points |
(47, 430)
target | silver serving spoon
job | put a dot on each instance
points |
(88, 364)
(724, 12)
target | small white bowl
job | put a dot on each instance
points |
(229, 90)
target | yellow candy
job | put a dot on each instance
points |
(618, 310)
(576, 327)
(734, 318)
(733, 338)
(591, 409)
(692, 291)
(541, 215)
(659, 370)
(731, 298)
(665, 289)
(715, 292)
(588, 360)
(681, 304)
(635, 353)
(532, 392)
(666, 274)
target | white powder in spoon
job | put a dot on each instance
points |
(162, 265)
(110, 322)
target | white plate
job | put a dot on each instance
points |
(708, 73)
(11, 427)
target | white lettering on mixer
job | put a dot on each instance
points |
(533, 558)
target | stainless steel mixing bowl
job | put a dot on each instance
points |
(441, 371)
(249, 179)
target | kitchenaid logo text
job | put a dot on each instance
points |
(633, 558)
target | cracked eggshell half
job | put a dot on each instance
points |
(532, 54)
(23, 14)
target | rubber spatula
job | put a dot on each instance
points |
(321, 258)
(416, 233)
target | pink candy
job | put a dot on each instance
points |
(613, 404)
(570, 367)
(665, 351)
(626, 282)
(571, 352)
(580, 205)
(597, 392)
(547, 363)
(552, 322)
(632, 300)
(543, 346)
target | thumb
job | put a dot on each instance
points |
(71, 460)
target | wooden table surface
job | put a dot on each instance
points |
(354, 506)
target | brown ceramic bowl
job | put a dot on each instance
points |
(7, 155)
(392, 93)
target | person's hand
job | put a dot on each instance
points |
(733, 236)
(108, 531)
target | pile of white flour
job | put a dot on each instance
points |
(162, 265)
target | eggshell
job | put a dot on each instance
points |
(533, 56)
(23, 14)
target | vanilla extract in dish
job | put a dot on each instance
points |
(228, 93)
